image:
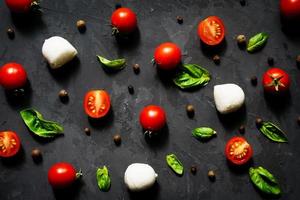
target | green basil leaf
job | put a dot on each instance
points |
(36, 123)
(112, 64)
(273, 132)
(191, 75)
(103, 179)
(203, 133)
(174, 164)
(264, 180)
(257, 42)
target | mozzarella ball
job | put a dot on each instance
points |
(139, 176)
(228, 97)
(58, 51)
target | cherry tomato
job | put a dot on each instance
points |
(9, 144)
(290, 9)
(167, 56)
(276, 80)
(124, 20)
(62, 175)
(152, 118)
(12, 76)
(96, 103)
(211, 30)
(238, 151)
(19, 6)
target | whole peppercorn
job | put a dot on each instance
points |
(136, 68)
(81, 25)
(193, 169)
(63, 95)
(179, 19)
(190, 110)
(298, 60)
(258, 121)
(241, 40)
(117, 139)
(36, 155)
(217, 59)
(130, 89)
(242, 129)
(298, 120)
(87, 131)
(11, 33)
(254, 80)
(118, 5)
(270, 61)
(211, 175)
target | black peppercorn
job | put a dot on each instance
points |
(130, 89)
(11, 33)
(254, 80)
(242, 129)
(258, 121)
(243, 2)
(36, 155)
(298, 120)
(217, 59)
(270, 61)
(117, 139)
(118, 5)
(136, 68)
(193, 169)
(190, 110)
(87, 131)
(211, 175)
(241, 40)
(298, 60)
(81, 25)
(63, 95)
(179, 19)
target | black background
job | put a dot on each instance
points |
(20, 178)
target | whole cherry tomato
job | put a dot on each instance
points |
(238, 151)
(20, 6)
(167, 56)
(152, 118)
(123, 20)
(275, 81)
(12, 76)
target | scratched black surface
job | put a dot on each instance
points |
(20, 178)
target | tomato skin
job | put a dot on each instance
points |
(152, 118)
(244, 146)
(19, 6)
(167, 56)
(211, 30)
(8, 138)
(12, 76)
(270, 84)
(61, 175)
(290, 9)
(124, 20)
(96, 103)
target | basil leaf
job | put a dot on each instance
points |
(112, 64)
(191, 75)
(264, 180)
(103, 179)
(174, 164)
(273, 132)
(257, 42)
(203, 133)
(35, 122)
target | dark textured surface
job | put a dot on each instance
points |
(22, 179)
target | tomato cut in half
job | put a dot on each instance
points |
(96, 103)
(9, 144)
(211, 30)
(238, 151)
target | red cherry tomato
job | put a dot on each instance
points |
(19, 6)
(124, 20)
(96, 103)
(12, 76)
(153, 118)
(9, 144)
(167, 56)
(62, 175)
(211, 30)
(238, 151)
(290, 9)
(276, 80)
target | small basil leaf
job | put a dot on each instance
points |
(112, 64)
(264, 180)
(174, 164)
(203, 133)
(103, 179)
(36, 124)
(257, 42)
(273, 132)
(191, 75)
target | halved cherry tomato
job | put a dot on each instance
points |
(9, 144)
(96, 103)
(19, 6)
(238, 151)
(153, 118)
(276, 80)
(123, 20)
(12, 76)
(211, 30)
(62, 175)
(167, 56)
